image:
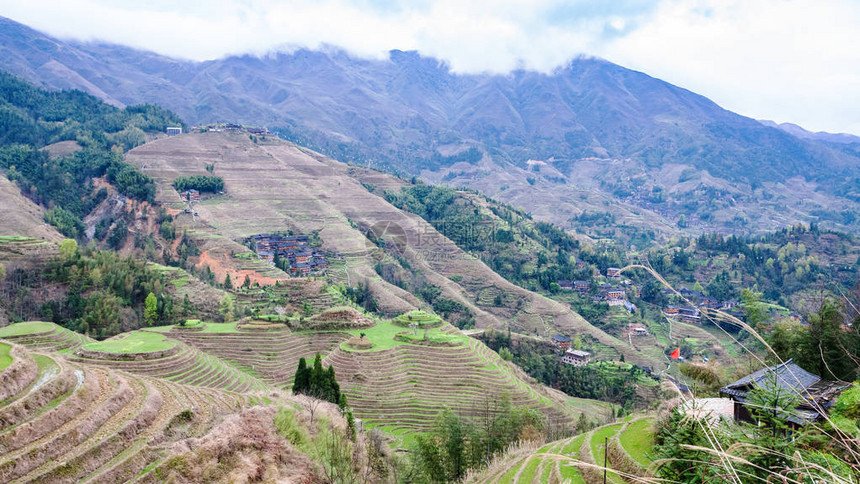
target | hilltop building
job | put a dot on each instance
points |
(173, 130)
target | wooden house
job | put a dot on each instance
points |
(816, 394)
(561, 341)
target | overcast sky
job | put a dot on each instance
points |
(786, 60)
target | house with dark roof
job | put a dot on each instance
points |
(561, 341)
(817, 395)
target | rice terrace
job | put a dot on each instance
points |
(239, 259)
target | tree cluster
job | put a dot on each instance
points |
(825, 347)
(317, 381)
(543, 363)
(201, 183)
(456, 444)
(102, 293)
(31, 118)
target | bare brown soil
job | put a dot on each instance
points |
(20, 216)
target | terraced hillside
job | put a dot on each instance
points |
(395, 384)
(40, 335)
(272, 356)
(404, 388)
(66, 421)
(271, 185)
(579, 460)
(168, 359)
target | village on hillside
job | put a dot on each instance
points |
(291, 253)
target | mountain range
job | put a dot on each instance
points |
(592, 146)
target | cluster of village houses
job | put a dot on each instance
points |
(613, 293)
(233, 127)
(818, 394)
(292, 249)
(693, 313)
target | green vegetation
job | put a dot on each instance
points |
(763, 450)
(190, 323)
(201, 183)
(386, 334)
(316, 381)
(825, 347)
(598, 443)
(531, 254)
(98, 286)
(5, 356)
(638, 440)
(608, 381)
(420, 318)
(438, 338)
(456, 444)
(134, 342)
(28, 327)
(33, 118)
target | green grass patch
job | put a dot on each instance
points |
(569, 473)
(431, 337)
(383, 334)
(572, 447)
(29, 327)
(5, 357)
(134, 342)
(19, 239)
(598, 439)
(190, 323)
(220, 328)
(637, 440)
(508, 477)
(529, 471)
(422, 318)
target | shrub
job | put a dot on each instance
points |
(285, 422)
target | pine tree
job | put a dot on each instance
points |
(319, 379)
(302, 380)
(333, 388)
(228, 284)
(247, 282)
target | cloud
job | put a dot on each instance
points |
(792, 61)
(788, 60)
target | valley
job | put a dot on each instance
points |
(307, 266)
